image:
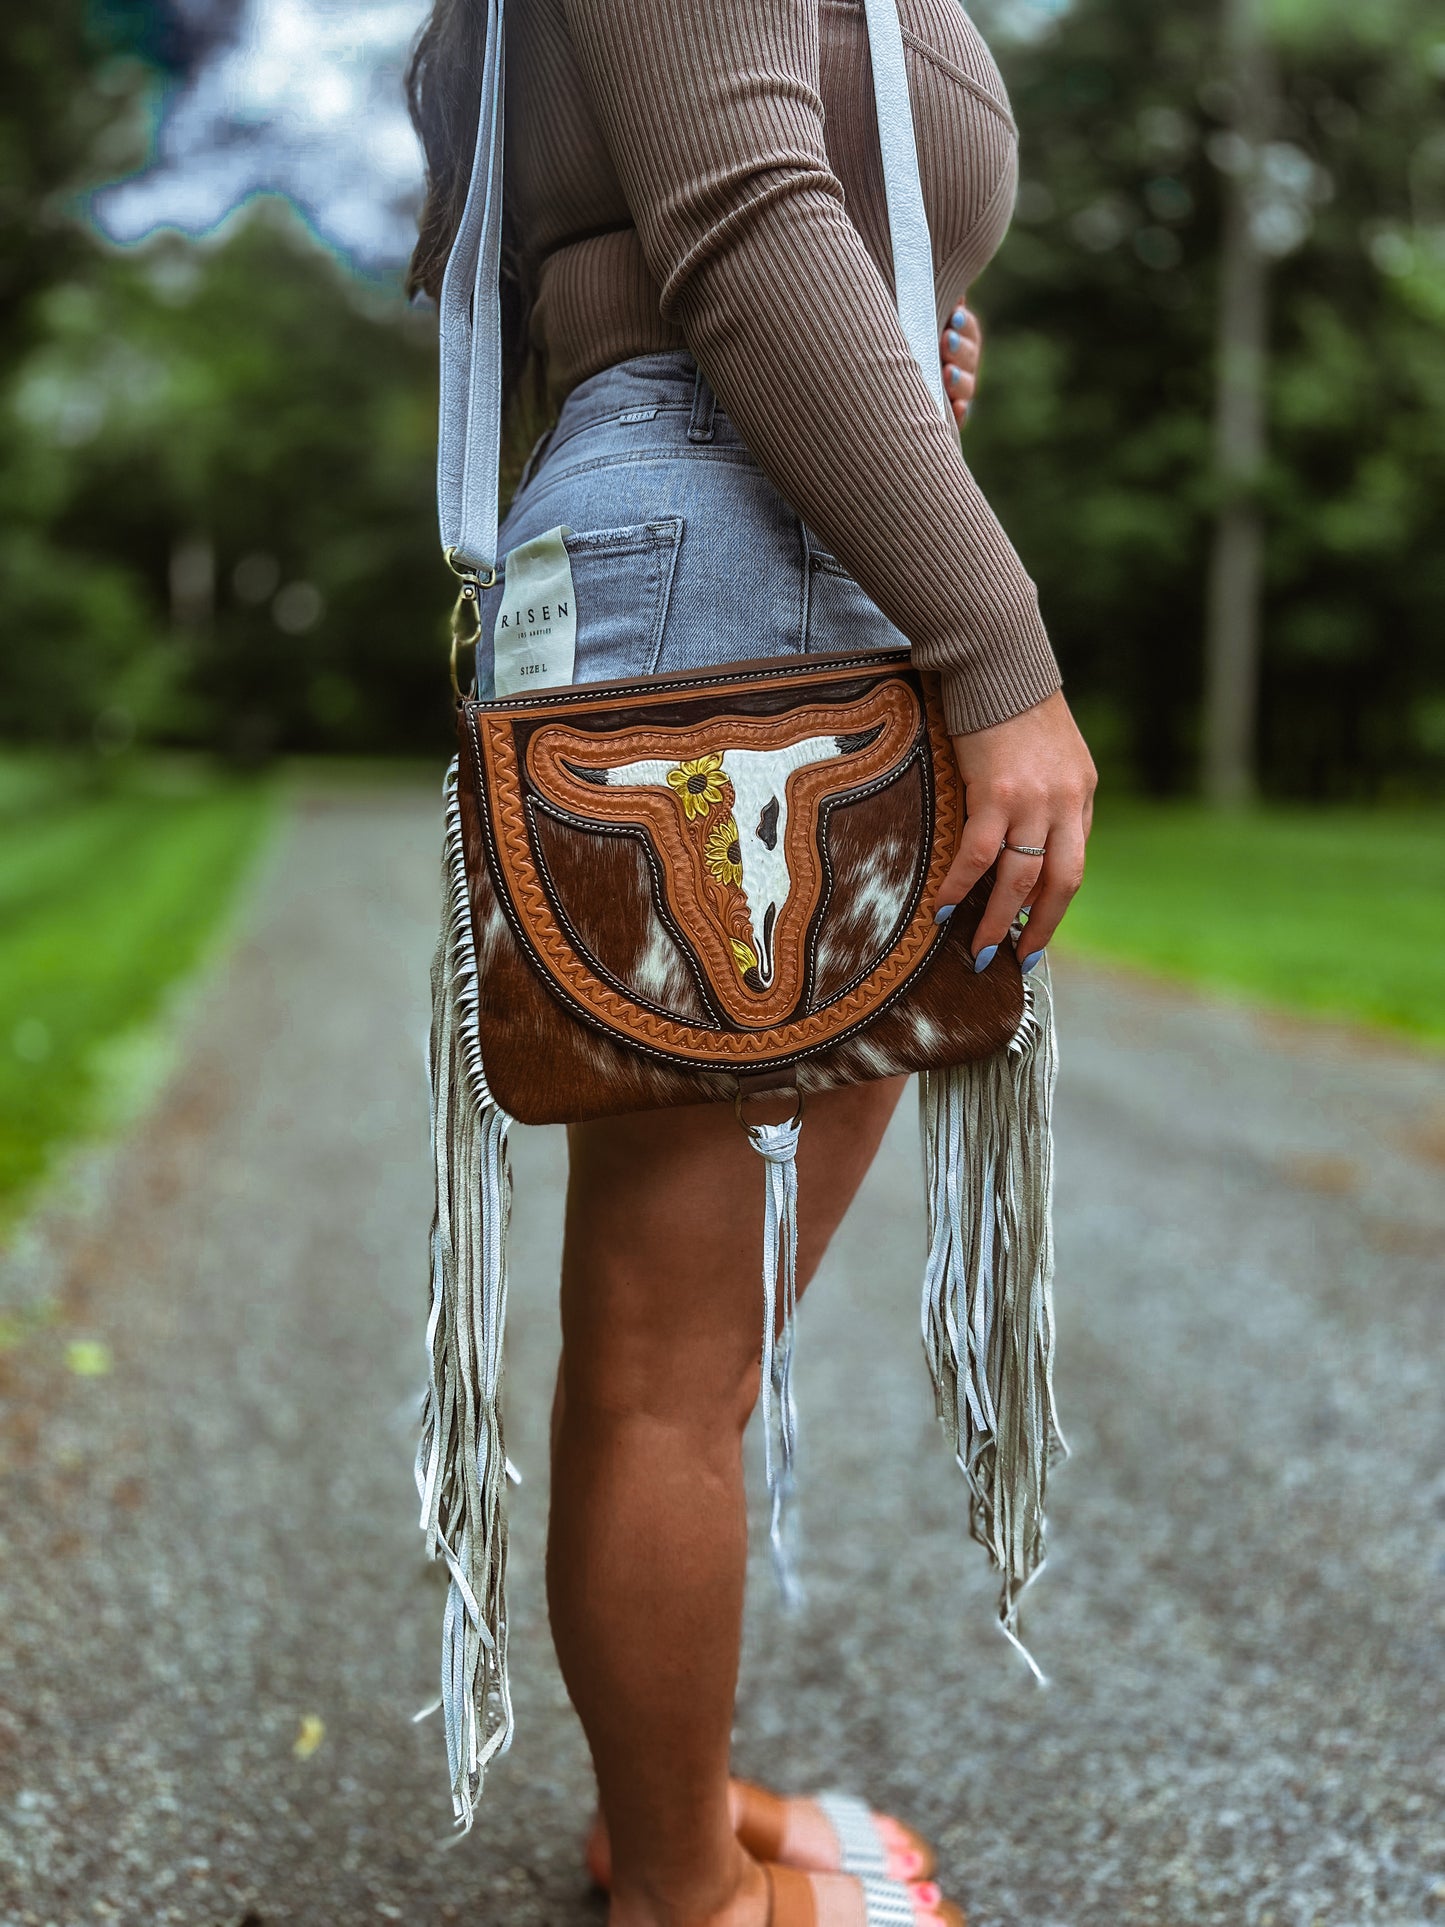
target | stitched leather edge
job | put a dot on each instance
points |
(667, 1040)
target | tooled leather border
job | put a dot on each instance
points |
(501, 813)
(901, 719)
(538, 806)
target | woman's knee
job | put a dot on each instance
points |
(627, 1355)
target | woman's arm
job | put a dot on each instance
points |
(715, 123)
(1057, 812)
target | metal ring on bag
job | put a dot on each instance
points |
(739, 1095)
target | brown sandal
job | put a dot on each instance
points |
(791, 1902)
(790, 1898)
(871, 1846)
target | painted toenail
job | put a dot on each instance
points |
(926, 1893)
(904, 1863)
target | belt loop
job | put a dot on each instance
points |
(704, 402)
(534, 455)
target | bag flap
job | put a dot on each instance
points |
(722, 869)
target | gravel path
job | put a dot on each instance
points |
(210, 1548)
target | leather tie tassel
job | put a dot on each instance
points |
(988, 1318)
(777, 1144)
(461, 1464)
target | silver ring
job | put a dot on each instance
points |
(1022, 849)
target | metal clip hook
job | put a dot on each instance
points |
(469, 598)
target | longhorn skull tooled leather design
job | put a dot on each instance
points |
(741, 796)
(732, 809)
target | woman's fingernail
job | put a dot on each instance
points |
(953, 341)
(959, 318)
(1031, 961)
(952, 374)
(945, 913)
(985, 956)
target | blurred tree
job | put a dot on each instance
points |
(1092, 432)
(237, 438)
(216, 520)
(1241, 379)
(79, 88)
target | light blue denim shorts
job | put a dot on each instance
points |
(683, 554)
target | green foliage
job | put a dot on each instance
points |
(72, 108)
(216, 508)
(1340, 913)
(1092, 431)
(218, 485)
(108, 894)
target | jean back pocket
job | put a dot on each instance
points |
(621, 582)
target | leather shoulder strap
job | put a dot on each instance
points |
(907, 220)
(469, 440)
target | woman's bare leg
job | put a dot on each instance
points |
(647, 1550)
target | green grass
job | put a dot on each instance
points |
(1339, 913)
(108, 896)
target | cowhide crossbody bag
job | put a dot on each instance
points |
(705, 887)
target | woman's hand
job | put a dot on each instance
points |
(960, 345)
(1027, 781)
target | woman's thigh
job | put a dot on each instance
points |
(662, 1304)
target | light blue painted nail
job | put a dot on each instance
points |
(953, 342)
(985, 957)
(945, 913)
(1030, 962)
(960, 317)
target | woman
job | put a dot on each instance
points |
(690, 189)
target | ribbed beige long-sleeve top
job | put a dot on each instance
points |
(706, 173)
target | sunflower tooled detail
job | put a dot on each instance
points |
(699, 784)
(744, 956)
(723, 852)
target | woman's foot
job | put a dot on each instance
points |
(823, 1835)
(770, 1896)
(798, 1899)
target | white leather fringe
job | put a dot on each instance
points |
(777, 1145)
(988, 1318)
(988, 1326)
(461, 1465)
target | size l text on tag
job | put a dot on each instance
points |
(534, 637)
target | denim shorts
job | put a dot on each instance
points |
(683, 554)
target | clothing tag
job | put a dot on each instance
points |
(534, 638)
